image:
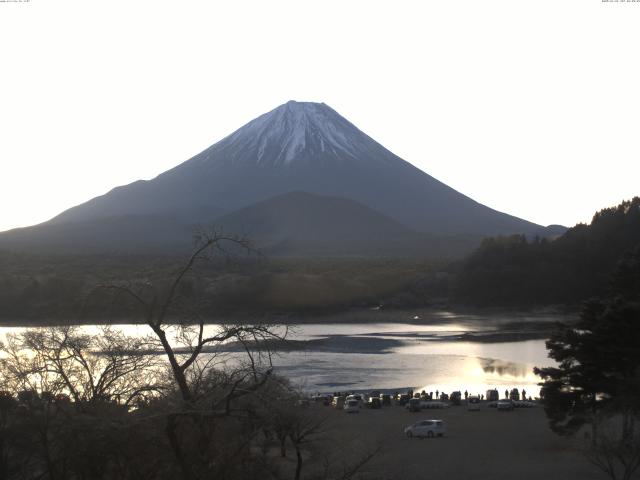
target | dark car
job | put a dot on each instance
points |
(414, 405)
(403, 399)
(374, 402)
(386, 399)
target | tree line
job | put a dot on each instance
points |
(518, 271)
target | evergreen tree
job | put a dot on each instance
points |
(599, 359)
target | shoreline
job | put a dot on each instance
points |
(514, 317)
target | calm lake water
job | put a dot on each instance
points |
(395, 355)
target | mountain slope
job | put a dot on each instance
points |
(303, 220)
(304, 147)
(117, 234)
(302, 223)
(295, 223)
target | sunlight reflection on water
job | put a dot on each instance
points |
(416, 358)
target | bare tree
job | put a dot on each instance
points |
(74, 391)
(208, 381)
(614, 447)
(88, 368)
(190, 336)
(307, 425)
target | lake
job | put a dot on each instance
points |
(438, 351)
(429, 357)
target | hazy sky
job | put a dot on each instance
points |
(530, 107)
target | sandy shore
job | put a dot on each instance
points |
(480, 445)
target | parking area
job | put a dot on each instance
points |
(483, 444)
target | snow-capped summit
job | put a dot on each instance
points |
(292, 132)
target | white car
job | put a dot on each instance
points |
(352, 406)
(426, 428)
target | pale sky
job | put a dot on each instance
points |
(530, 107)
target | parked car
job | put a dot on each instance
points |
(374, 402)
(473, 403)
(514, 394)
(356, 396)
(504, 404)
(386, 399)
(414, 405)
(352, 406)
(426, 428)
(456, 398)
(338, 402)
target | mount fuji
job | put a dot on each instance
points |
(300, 175)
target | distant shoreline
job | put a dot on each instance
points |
(481, 326)
(416, 316)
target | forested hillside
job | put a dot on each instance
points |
(51, 289)
(516, 271)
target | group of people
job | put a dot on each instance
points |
(514, 394)
(429, 396)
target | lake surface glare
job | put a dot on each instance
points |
(426, 356)
(422, 357)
